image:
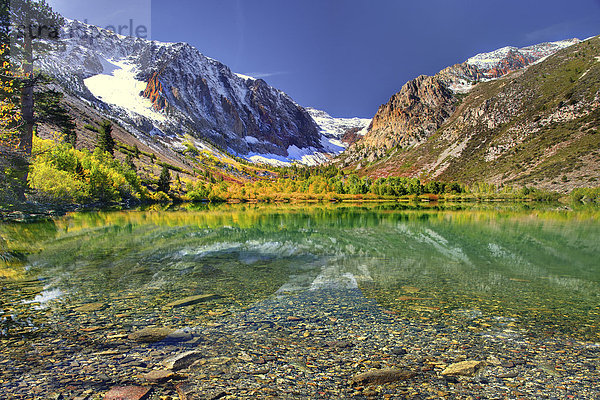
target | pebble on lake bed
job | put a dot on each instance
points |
(128, 393)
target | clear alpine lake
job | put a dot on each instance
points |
(296, 301)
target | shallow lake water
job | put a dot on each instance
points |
(497, 271)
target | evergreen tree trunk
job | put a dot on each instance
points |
(27, 98)
(26, 139)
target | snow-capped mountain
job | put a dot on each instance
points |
(460, 78)
(338, 133)
(493, 59)
(171, 90)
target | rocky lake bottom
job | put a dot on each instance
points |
(320, 344)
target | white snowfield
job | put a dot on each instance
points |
(307, 156)
(117, 86)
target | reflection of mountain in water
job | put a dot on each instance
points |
(449, 260)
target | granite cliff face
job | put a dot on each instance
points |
(420, 108)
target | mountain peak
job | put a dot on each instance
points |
(494, 59)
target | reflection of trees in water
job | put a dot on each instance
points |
(511, 258)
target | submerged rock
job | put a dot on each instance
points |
(159, 375)
(157, 334)
(150, 335)
(181, 361)
(463, 368)
(128, 393)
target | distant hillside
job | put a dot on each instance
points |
(511, 117)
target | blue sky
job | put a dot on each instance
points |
(345, 56)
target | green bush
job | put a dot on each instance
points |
(586, 195)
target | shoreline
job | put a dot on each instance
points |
(44, 212)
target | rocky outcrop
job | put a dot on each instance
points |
(351, 136)
(154, 92)
(513, 61)
(411, 115)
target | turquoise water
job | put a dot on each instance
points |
(532, 270)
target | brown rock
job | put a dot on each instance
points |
(161, 375)
(150, 335)
(181, 361)
(381, 376)
(463, 368)
(128, 393)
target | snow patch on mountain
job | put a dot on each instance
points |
(307, 156)
(117, 86)
(246, 77)
(251, 139)
(337, 127)
(548, 48)
(491, 59)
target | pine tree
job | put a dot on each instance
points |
(49, 109)
(105, 140)
(130, 163)
(164, 181)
